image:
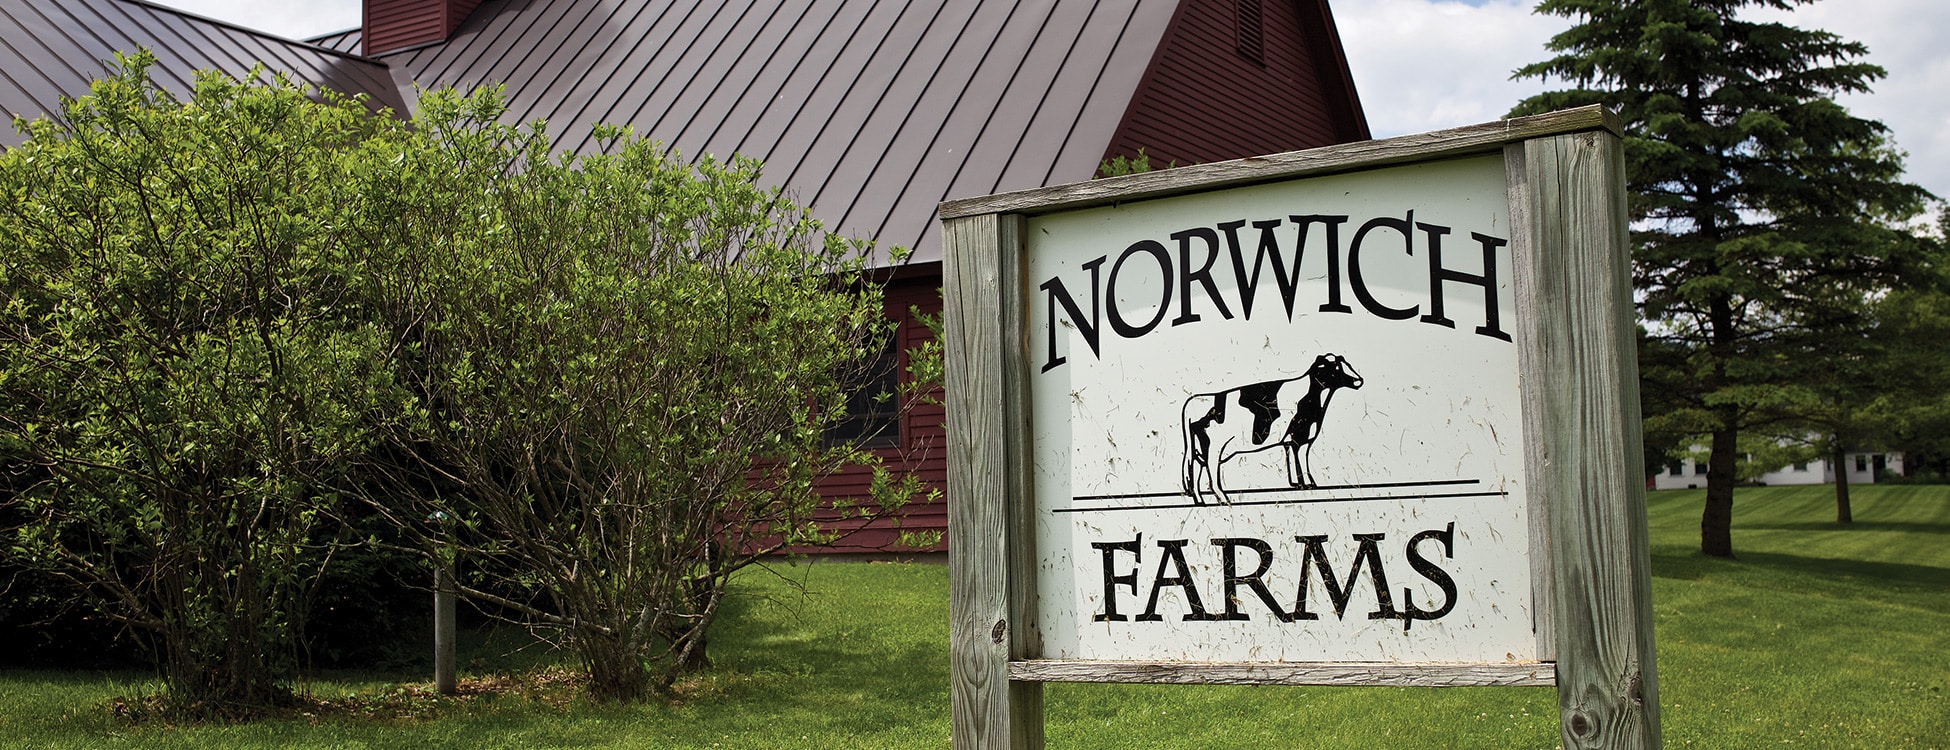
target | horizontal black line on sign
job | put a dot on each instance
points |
(1295, 501)
(1403, 674)
(1376, 485)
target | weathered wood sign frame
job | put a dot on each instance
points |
(1574, 331)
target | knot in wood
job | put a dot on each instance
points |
(1000, 631)
(1582, 727)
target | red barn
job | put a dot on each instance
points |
(871, 112)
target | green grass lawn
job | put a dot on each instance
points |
(1818, 636)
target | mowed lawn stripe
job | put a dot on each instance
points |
(1817, 635)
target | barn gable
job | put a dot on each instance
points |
(1237, 78)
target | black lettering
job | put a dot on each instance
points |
(1410, 613)
(1255, 580)
(1491, 326)
(1269, 250)
(1117, 321)
(1333, 224)
(1191, 273)
(1202, 274)
(1112, 580)
(1368, 301)
(1339, 593)
(1175, 557)
(1057, 293)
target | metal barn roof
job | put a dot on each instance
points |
(53, 49)
(870, 112)
(347, 41)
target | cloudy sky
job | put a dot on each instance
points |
(1431, 64)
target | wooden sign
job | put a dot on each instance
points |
(1364, 415)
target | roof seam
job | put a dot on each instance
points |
(244, 29)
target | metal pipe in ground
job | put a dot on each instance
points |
(443, 632)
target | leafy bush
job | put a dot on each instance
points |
(189, 361)
(266, 331)
(1120, 165)
(624, 368)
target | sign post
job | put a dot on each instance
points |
(1360, 415)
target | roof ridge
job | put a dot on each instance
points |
(256, 32)
(313, 39)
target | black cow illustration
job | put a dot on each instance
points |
(1262, 416)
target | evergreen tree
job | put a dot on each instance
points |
(1763, 210)
(1912, 412)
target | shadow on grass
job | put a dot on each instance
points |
(850, 656)
(1923, 586)
(1865, 527)
(864, 681)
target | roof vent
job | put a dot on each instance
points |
(394, 25)
(1250, 35)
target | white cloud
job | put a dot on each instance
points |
(1905, 37)
(1429, 64)
(291, 20)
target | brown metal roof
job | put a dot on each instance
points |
(349, 41)
(871, 111)
(53, 49)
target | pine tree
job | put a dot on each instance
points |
(1764, 212)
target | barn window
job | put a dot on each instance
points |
(1861, 462)
(1699, 470)
(1249, 33)
(873, 401)
(1675, 468)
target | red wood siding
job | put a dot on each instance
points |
(923, 431)
(1203, 101)
(397, 24)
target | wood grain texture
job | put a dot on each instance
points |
(988, 556)
(1531, 368)
(1475, 139)
(1579, 273)
(1286, 673)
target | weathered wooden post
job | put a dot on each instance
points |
(1568, 191)
(1361, 415)
(989, 557)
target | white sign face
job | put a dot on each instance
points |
(1282, 423)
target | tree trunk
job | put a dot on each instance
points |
(213, 677)
(217, 656)
(1716, 522)
(616, 672)
(1842, 512)
(693, 654)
